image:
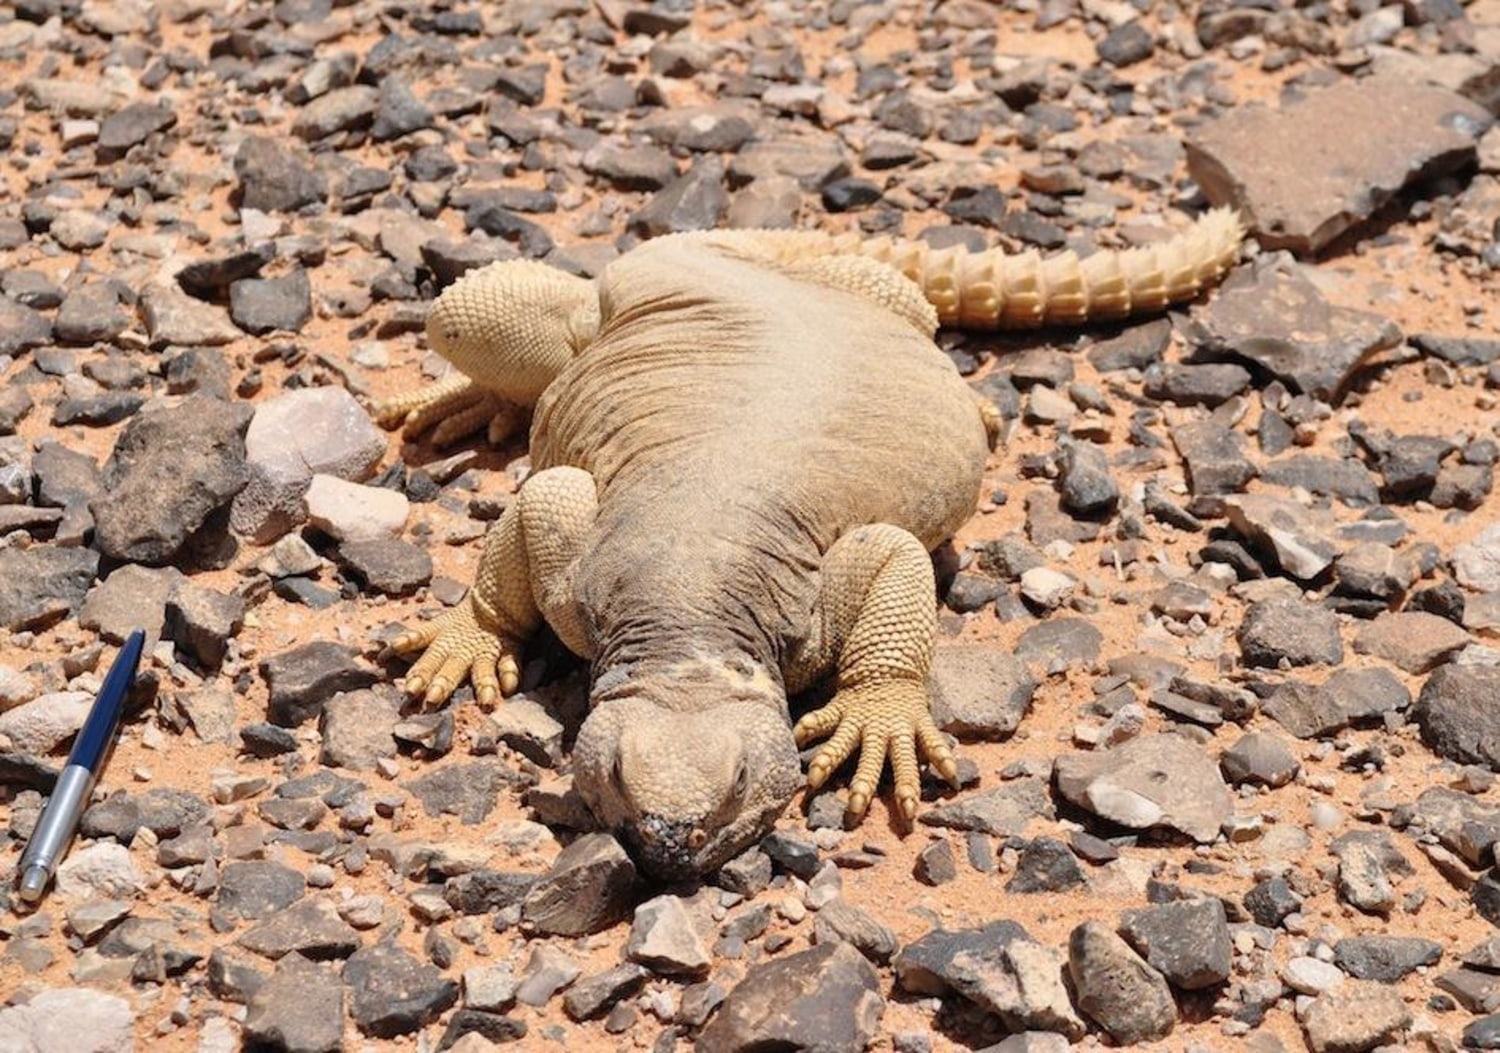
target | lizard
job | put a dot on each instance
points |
(745, 446)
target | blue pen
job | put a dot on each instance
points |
(59, 818)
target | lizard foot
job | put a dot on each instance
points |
(463, 642)
(452, 409)
(883, 718)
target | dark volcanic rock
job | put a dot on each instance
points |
(1116, 988)
(301, 680)
(172, 468)
(826, 998)
(301, 1008)
(1188, 941)
(391, 993)
(257, 889)
(41, 584)
(1354, 146)
(277, 177)
(589, 888)
(1274, 317)
(1384, 958)
(1300, 633)
(1457, 714)
(264, 305)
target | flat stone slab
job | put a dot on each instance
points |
(1306, 172)
(1155, 780)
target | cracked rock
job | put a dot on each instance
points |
(1354, 146)
(1116, 988)
(826, 998)
(1155, 780)
(588, 889)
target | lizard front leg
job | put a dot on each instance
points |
(874, 623)
(525, 575)
(451, 409)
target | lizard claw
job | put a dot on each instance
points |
(452, 410)
(459, 645)
(882, 719)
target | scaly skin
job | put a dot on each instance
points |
(746, 446)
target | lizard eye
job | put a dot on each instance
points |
(741, 780)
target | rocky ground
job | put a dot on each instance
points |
(1220, 645)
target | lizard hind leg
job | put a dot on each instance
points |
(874, 623)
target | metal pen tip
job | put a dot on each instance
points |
(33, 882)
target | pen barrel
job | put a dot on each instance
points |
(59, 819)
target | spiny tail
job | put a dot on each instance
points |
(993, 290)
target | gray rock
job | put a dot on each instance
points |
(664, 938)
(842, 920)
(164, 811)
(485, 891)
(527, 727)
(547, 972)
(292, 437)
(588, 889)
(266, 305)
(1195, 383)
(721, 127)
(823, 999)
(998, 967)
(1217, 458)
(44, 723)
(256, 889)
(1367, 695)
(1373, 569)
(1413, 641)
(212, 275)
(1345, 479)
(391, 993)
(1299, 633)
(1273, 316)
(202, 621)
(41, 584)
(935, 864)
(51, 1021)
(1357, 1015)
(387, 566)
(1385, 959)
(1375, 137)
(1002, 812)
(342, 109)
(300, 681)
(300, 1009)
(22, 328)
(468, 790)
(1456, 713)
(979, 692)
(1155, 780)
(132, 597)
(629, 167)
(1302, 540)
(1307, 711)
(175, 319)
(696, 200)
(276, 176)
(172, 468)
(92, 313)
(1477, 563)
(1186, 941)
(311, 927)
(1046, 865)
(1116, 988)
(1088, 488)
(130, 126)
(1259, 758)
(357, 728)
(595, 995)
(399, 112)
(1461, 822)
(1368, 862)
(1060, 643)
(1271, 901)
(812, 160)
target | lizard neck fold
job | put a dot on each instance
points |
(694, 681)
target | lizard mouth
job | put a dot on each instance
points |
(667, 849)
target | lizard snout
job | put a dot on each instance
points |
(666, 848)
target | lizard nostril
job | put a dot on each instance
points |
(697, 838)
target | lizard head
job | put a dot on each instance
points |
(685, 790)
